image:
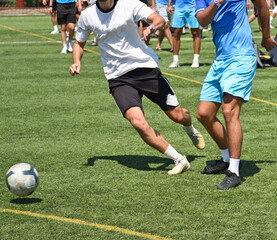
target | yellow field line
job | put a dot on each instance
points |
(82, 222)
(97, 53)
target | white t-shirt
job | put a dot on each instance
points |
(117, 36)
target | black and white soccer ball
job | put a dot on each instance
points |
(22, 179)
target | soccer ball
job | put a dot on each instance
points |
(22, 179)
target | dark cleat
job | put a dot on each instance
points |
(230, 181)
(217, 167)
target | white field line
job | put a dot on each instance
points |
(33, 42)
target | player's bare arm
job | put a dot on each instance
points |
(267, 42)
(169, 7)
(153, 5)
(206, 17)
(50, 10)
(77, 53)
(157, 22)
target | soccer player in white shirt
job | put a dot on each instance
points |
(131, 68)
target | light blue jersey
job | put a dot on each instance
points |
(65, 1)
(232, 34)
(184, 4)
(161, 2)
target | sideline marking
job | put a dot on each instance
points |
(82, 222)
(97, 53)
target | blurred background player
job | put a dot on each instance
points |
(184, 13)
(53, 15)
(160, 6)
(66, 17)
(142, 25)
(273, 14)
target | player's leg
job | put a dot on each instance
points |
(176, 47)
(194, 28)
(236, 87)
(273, 15)
(178, 24)
(54, 17)
(210, 102)
(168, 34)
(63, 36)
(129, 102)
(54, 22)
(154, 139)
(71, 20)
(196, 46)
(231, 109)
(182, 116)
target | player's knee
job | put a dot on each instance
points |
(139, 124)
(203, 116)
(228, 114)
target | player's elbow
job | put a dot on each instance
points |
(203, 21)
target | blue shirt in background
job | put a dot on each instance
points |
(232, 34)
(65, 1)
(184, 4)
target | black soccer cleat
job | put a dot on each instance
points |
(230, 181)
(217, 167)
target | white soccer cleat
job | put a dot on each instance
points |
(195, 65)
(56, 31)
(271, 26)
(64, 50)
(180, 166)
(174, 65)
(70, 46)
(197, 139)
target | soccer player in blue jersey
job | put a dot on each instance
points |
(184, 13)
(228, 82)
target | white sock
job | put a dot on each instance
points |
(270, 19)
(173, 154)
(175, 58)
(234, 165)
(189, 129)
(225, 155)
(65, 45)
(196, 58)
(56, 27)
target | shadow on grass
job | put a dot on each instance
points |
(249, 168)
(25, 200)
(139, 162)
(189, 64)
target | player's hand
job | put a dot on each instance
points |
(44, 2)
(170, 10)
(147, 32)
(268, 43)
(74, 69)
(50, 10)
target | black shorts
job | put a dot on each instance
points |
(66, 13)
(129, 88)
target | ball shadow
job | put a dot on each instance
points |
(26, 200)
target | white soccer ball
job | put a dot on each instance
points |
(22, 179)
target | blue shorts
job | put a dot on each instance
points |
(233, 76)
(182, 17)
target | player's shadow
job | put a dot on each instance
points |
(200, 64)
(139, 162)
(248, 168)
(26, 200)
